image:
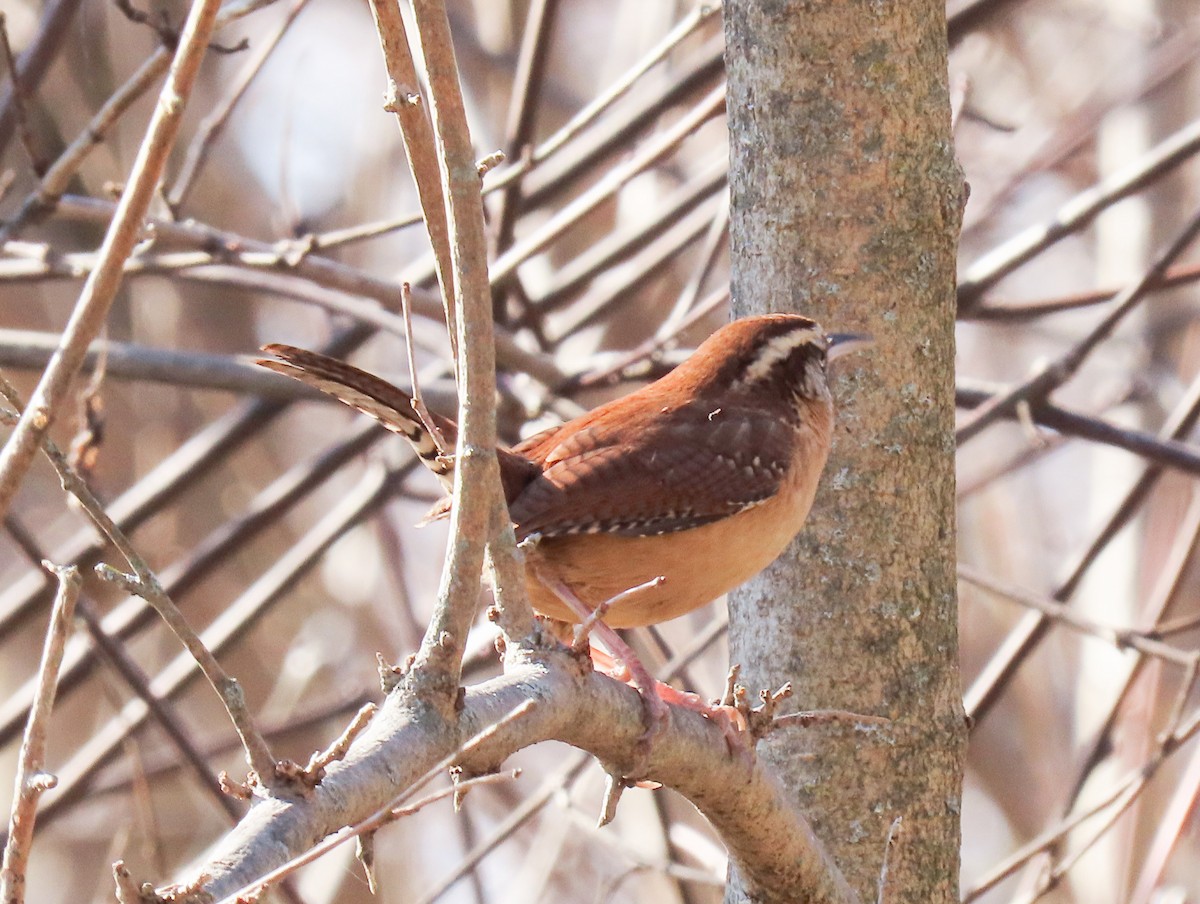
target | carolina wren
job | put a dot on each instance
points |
(700, 478)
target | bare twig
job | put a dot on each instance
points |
(551, 786)
(338, 748)
(1075, 214)
(609, 184)
(1111, 804)
(245, 251)
(1161, 450)
(686, 26)
(264, 510)
(619, 246)
(129, 891)
(1057, 611)
(17, 89)
(235, 620)
(1055, 374)
(35, 60)
(985, 690)
(145, 584)
(479, 507)
(213, 125)
(528, 79)
(101, 288)
(115, 655)
(418, 401)
(714, 241)
(31, 780)
(1178, 275)
(192, 44)
(404, 100)
(130, 361)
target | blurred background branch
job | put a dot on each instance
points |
(284, 528)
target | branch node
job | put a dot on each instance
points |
(337, 750)
(614, 786)
(129, 891)
(489, 163)
(731, 685)
(364, 851)
(233, 788)
(391, 675)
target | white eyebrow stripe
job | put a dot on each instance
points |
(776, 350)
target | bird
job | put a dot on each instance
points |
(658, 502)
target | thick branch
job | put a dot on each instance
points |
(773, 845)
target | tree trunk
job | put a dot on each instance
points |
(846, 205)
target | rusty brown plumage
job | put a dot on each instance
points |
(701, 477)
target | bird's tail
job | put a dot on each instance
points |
(392, 407)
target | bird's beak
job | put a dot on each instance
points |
(845, 343)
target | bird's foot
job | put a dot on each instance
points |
(622, 664)
(657, 695)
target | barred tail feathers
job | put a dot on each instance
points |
(372, 396)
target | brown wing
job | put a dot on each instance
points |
(688, 467)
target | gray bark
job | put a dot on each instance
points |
(846, 205)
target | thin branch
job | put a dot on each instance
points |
(985, 690)
(528, 80)
(145, 584)
(36, 59)
(101, 287)
(989, 269)
(646, 156)
(230, 627)
(1171, 453)
(17, 89)
(418, 401)
(165, 762)
(478, 519)
(1173, 277)
(685, 28)
(1171, 831)
(1121, 638)
(25, 349)
(203, 20)
(1050, 377)
(404, 100)
(551, 786)
(115, 656)
(611, 250)
(716, 240)
(1165, 593)
(213, 125)
(31, 780)
(614, 137)
(365, 830)
(238, 249)
(1077, 130)
(209, 553)
(643, 270)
